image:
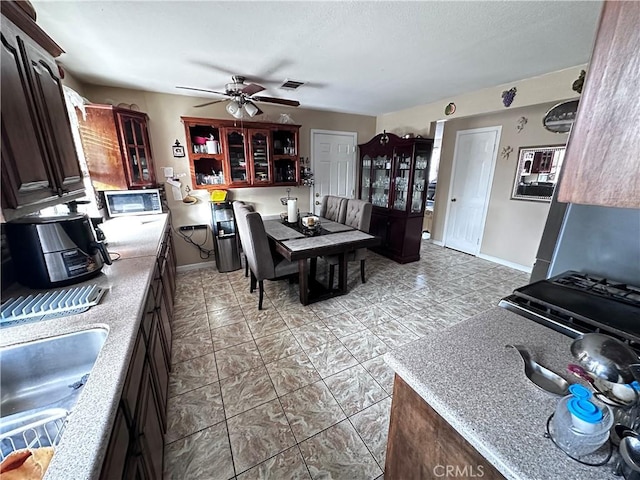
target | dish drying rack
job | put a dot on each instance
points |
(43, 432)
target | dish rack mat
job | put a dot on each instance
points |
(45, 432)
(46, 305)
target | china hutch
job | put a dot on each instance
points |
(117, 148)
(233, 154)
(394, 174)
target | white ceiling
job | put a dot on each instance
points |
(359, 57)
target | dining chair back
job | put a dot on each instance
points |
(357, 215)
(263, 263)
(236, 205)
(334, 208)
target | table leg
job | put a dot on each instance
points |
(342, 273)
(303, 275)
(313, 268)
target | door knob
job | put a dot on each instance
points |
(317, 202)
(453, 199)
(317, 194)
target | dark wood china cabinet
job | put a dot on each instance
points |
(245, 154)
(394, 176)
(117, 148)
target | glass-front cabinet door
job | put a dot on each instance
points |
(259, 156)
(380, 180)
(239, 173)
(420, 177)
(401, 177)
(138, 153)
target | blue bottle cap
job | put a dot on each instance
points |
(581, 407)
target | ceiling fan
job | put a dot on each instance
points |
(243, 97)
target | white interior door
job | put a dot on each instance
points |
(473, 165)
(333, 161)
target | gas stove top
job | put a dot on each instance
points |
(574, 303)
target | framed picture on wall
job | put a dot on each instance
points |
(178, 150)
(535, 177)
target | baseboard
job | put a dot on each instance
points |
(437, 242)
(506, 263)
(195, 266)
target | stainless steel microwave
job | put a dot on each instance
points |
(121, 203)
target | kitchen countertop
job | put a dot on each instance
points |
(82, 448)
(466, 374)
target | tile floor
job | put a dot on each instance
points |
(295, 392)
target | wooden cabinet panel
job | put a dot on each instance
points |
(116, 456)
(256, 155)
(422, 444)
(150, 433)
(26, 175)
(601, 162)
(117, 148)
(159, 369)
(394, 177)
(131, 390)
(39, 161)
(49, 96)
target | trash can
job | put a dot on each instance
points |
(225, 237)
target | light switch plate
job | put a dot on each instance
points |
(168, 172)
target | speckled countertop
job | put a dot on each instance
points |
(477, 385)
(82, 448)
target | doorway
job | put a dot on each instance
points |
(333, 162)
(474, 161)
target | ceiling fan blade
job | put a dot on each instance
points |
(208, 103)
(252, 88)
(280, 101)
(203, 90)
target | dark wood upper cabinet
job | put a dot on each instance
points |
(116, 146)
(601, 165)
(39, 162)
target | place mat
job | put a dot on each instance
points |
(278, 231)
(334, 227)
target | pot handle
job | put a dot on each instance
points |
(103, 252)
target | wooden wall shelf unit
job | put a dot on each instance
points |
(394, 175)
(249, 154)
(117, 148)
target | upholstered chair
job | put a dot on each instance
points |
(263, 263)
(236, 205)
(357, 215)
(334, 208)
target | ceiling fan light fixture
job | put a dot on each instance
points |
(251, 109)
(235, 109)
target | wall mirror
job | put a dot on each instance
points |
(537, 173)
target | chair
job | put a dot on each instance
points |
(357, 215)
(334, 208)
(237, 204)
(263, 263)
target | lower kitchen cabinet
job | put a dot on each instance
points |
(422, 444)
(136, 445)
(401, 235)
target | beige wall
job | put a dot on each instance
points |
(165, 127)
(513, 227)
(552, 87)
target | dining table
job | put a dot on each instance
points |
(295, 242)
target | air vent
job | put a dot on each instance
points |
(291, 85)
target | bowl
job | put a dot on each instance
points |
(200, 140)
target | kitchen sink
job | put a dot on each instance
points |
(40, 382)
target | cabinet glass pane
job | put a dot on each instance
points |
(235, 141)
(137, 130)
(380, 181)
(135, 169)
(128, 130)
(402, 176)
(144, 165)
(260, 159)
(366, 178)
(420, 178)
(284, 170)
